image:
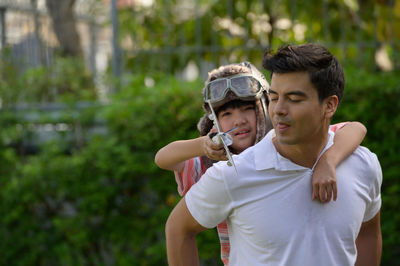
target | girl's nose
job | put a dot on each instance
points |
(239, 119)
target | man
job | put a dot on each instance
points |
(271, 220)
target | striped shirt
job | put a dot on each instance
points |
(194, 168)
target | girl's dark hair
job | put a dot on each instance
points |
(234, 104)
(326, 73)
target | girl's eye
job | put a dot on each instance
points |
(273, 99)
(226, 113)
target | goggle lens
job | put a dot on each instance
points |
(245, 86)
(242, 86)
(217, 89)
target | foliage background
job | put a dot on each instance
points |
(89, 193)
(106, 203)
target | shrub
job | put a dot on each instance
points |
(105, 202)
(372, 98)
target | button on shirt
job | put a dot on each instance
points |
(271, 217)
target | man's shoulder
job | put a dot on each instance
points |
(249, 155)
(247, 160)
(364, 161)
(241, 162)
(365, 155)
(263, 146)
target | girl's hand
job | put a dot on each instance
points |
(213, 151)
(324, 186)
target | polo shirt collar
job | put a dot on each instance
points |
(267, 157)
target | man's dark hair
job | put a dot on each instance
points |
(326, 73)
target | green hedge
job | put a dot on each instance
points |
(106, 203)
(373, 99)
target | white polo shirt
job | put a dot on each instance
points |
(271, 217)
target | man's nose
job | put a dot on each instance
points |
(280, 107)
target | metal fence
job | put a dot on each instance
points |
(189, 38)
(26, 29)
(205, 34)
(27, 34)
(178, 36)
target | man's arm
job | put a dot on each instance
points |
(369, 243)
(181, 230)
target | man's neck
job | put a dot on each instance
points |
(304, 154)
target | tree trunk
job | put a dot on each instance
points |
(62, 15)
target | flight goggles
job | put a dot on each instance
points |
(243, 85)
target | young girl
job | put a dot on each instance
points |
(236, 92)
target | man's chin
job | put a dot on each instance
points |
(284, 140)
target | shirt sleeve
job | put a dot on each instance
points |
(208, 200)
(375, 195)
(337, 126)
(191, 173)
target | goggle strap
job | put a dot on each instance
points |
(213, 116)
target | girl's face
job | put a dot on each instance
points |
(244, 118)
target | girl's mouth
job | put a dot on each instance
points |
(242, 132)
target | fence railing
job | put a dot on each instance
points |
(27, 30)
(189, 38)
(30, 126)
(170, 36)
(211, 33)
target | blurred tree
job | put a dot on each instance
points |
(212, 33)
(62, 15)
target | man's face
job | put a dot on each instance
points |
(243, 117)
(294, 108)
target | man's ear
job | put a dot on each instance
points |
(331, 104)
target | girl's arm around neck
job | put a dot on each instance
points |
(346, 140)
